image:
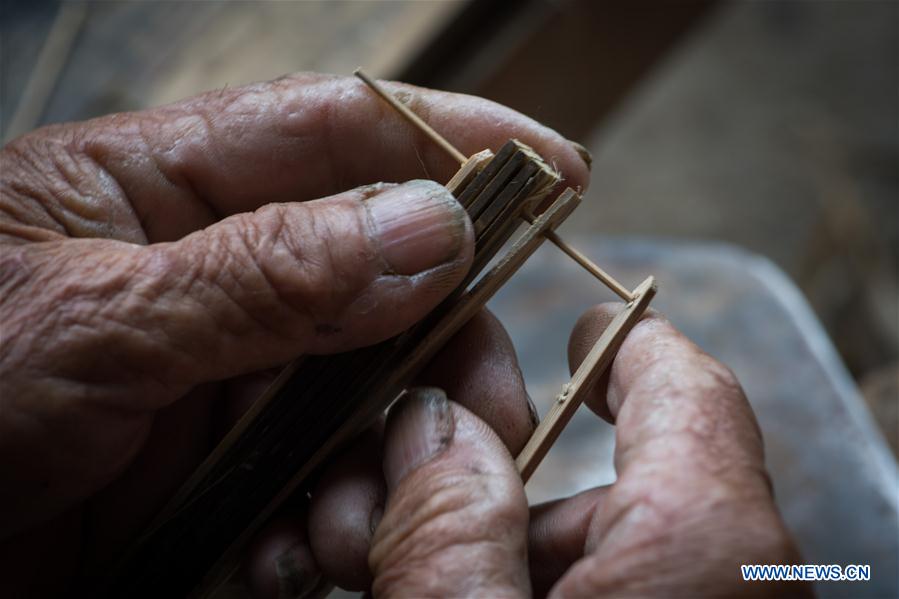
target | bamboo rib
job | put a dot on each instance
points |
(469, 171)
(591, 369)
(412, 117)
(590, 267)
(606, 279)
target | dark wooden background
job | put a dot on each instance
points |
(770, 125)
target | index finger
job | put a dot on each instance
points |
(292, 139)
(670, 401)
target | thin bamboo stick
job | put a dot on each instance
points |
(604, 277)
(590, 267)
(412, 117)
(586, 376)
(470, 169)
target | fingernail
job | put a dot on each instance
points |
(532, 411)
(295, 578)
(586, 156)
(419, 225)
(418, 428)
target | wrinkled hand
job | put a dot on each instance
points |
(692, 500)
(144, 303)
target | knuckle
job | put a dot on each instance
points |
(171, 139)
(59, 174)
(292, 257)
(103, 299)
(222, 266)
(35, 173)
(721, 375)
(14, 270)
(68, 302)
(17, 309)
(286, 263)
(314, 257)
(311, 245)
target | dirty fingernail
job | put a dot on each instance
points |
(418, 429)
(532, 412)
(295, 577)
(419, 225)
(583, 153)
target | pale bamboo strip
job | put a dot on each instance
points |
(412, 117)
(588, 373)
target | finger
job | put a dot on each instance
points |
(280, 562)
(346, 505)
(456, 506)
(586, 331)
(692, 500)
(233, 150)
(251, 292)
(661, 386)
(478, 368)
(557, 534)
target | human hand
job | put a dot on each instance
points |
(144, 304)
(692, 500)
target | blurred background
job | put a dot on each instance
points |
(772, 126)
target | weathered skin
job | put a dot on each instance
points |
(691, 503)
(158, 267)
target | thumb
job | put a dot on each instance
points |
(455, 523)
(329, 275)
(252, 291)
